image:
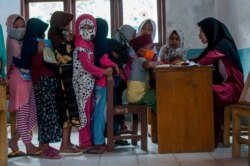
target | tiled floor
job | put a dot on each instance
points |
(133, 156)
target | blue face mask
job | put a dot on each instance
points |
(16, 33)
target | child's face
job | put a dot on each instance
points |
(87, 31)
(174, 40)
(145, 50)
(19, 23)
(147, 28)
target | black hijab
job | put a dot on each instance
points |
(101, 45)
(219, 38)
(35, 29)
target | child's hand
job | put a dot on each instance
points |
(160, 63)
(115, 55)
(117, 71)
(41, 45)
(70, 36)
(108, 71)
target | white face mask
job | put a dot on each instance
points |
(87, 34)
(16, 33)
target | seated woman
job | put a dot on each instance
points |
(221, 52)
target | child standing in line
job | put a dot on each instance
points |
(84, 73)
(138, 84)
(44, 82)
(173, 51)
(102, 60)
(62, 42)
(21, 93)
(121, 49)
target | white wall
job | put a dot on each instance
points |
(186, 13)
(7, 8)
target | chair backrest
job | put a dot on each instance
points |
(245, 94)
(110, 98)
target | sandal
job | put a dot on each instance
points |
(50, 153)
(98, 149)
(17, 153)
(122, 142)
(37, 153)
(71, 151)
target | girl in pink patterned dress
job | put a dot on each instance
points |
(84, 73)
(22, 99)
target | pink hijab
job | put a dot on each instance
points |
(13, 46)
(79, 41)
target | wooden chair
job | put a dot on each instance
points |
(227, 129)
(227, 126)
(3, 125)
(139, 112)
(241, 109)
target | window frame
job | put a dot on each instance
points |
(116, 13)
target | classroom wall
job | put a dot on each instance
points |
(8, 7)
(233, 13)
(185, 14)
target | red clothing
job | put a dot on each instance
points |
(229, 91)
(105, 63)
(87, 63)
(39, 68)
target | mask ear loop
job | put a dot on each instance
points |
(123, 38)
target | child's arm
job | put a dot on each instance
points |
(88, 65)
(151, 64)
(106, 62)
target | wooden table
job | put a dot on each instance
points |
(3, 125)
(184, 109)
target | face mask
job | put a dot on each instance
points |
(16, 33)
(148, 54)
(87, 34)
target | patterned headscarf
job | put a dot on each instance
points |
(180, 34)
(59, 20)
(79, 41)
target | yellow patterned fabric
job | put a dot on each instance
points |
(135, 91)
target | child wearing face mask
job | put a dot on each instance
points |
(62, 41)
(21, 93)
(138, 84)
(84, 73)
(173, 51)
(148, 26)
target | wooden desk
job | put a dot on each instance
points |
(3, 125)
(184, 109)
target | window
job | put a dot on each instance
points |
(97, 8)
(135, 11)
(116, 12)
